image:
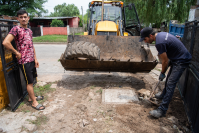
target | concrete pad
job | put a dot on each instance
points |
(119, 96)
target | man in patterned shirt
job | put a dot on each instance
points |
(25, 54)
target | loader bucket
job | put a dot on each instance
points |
(117, 54)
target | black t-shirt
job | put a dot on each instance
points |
(173, 47)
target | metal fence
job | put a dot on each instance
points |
(15, 82)
(189, 82)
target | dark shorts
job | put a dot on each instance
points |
(29, 71)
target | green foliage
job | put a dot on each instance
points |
(40, 120)
(65, 10)
(82, 19)
(57, 23)
(33, 7)
(99, 91)
(21, 105)
(81, 33)
(41, 90)
(85, 17)
(157, 11)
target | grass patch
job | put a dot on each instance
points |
(26, 111)
(92, 87)
(81, 33)
(40, 120)
(99, 91)
(90, 100)
(42, 91)
(21, 105)
(51, 38)
(157, 69)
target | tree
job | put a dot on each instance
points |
(65, 10)
(157, 11)
(57, 23)
(85, 17)
(33, 7)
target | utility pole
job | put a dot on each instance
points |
(102, 10)
(82, 19)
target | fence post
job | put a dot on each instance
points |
(41, 30)
(68, 31)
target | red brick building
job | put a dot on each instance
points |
(46, 21)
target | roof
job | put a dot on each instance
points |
(51, 17)
(7, 20)
(108, 1)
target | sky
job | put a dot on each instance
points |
(52, 3)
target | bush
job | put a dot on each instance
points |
(57, 23)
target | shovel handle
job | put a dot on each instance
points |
(154, 89)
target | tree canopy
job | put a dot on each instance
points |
(157, 11)
(85, 17)
(33, 7)
(65, 10)
(57, 23)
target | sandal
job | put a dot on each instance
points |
(38, 107)
(38, 98)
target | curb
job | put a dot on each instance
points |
(60, 43)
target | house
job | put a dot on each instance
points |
(46, 21)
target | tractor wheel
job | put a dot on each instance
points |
(82, 49)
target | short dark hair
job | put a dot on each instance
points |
(153, 33)
(21, 12)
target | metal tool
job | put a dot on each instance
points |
(149, 99)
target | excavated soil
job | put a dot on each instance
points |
(76, 107)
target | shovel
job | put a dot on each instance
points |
(149, 99)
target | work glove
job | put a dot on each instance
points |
(161, 77)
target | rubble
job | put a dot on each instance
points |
(144, 92)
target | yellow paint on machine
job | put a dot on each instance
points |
(106, 26)
(85, 33)
(125, 33)
(4, 99)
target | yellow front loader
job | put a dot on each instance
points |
(111, 42)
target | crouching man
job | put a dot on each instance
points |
(169, 48)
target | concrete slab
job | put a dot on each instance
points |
(119, 96)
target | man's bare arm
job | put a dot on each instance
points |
(165, 61)
(7, 43)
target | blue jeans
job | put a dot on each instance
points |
(173, 77)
